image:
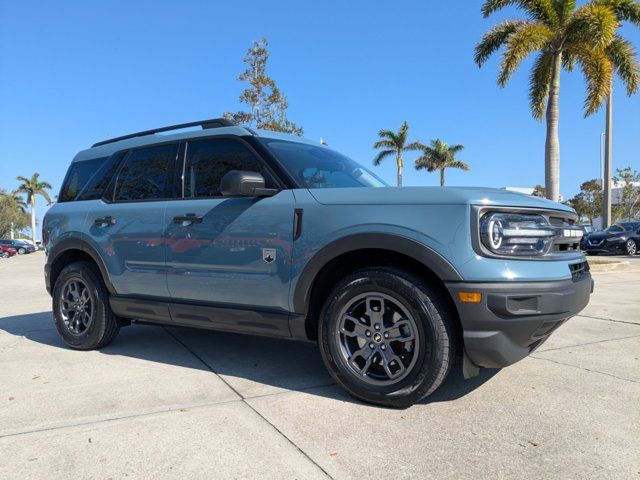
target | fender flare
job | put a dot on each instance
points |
(76, 244)
(359, 241)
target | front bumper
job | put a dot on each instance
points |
(513, 319)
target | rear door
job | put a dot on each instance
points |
(127, 226)
(237, 251)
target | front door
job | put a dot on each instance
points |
(222, 251)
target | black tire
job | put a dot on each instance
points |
(6, 254)
(631, 247)
(103, 326)
(434, 343)
(593, 254)
(21, 251)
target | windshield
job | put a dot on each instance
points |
(614, 229)
(320, 167)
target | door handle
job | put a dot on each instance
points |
(105, 221)
(188, 219)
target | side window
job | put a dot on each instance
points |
(77, 177)
(97, 184)
(207, 161)
(145, 174)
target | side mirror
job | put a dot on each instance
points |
(240, 183)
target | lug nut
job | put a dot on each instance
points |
(386, 335)
(383, 347)
(377, 326)
(371, 345)
(368, 333)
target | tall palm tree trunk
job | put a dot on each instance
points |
(32, 201)
(552, 144)
(608, 162)
(442, 177)
(400, 165)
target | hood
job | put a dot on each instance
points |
(603, 235)
(431, 196)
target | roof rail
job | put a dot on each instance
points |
(205, 124)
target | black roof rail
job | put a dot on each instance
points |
(205, 124)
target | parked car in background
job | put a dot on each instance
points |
(7, 252)
(21, 246)
(587, 229)
(264, 233)
(39, 246)
(621, 238)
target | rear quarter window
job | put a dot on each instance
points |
(77, 178)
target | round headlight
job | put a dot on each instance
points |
(495, 233)
(516, 234)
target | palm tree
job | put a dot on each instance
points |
(562, 35)
(622, 56)
(440, 156)
(32, 187)
(394, 143)
(15, 199)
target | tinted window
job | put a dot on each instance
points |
(145, 174)
(99, 181)
(208, 161)
(77, 177)
(320, 167)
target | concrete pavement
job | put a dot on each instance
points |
(180, 403)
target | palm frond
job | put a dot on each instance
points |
(494, 39)
(539, 83)
(564, 9)
(384, 144)
(457, 164)
(597, 69)
(626, 10)
(520, 45)
(593, 24)
(382, 155)
(623, 56)
(541, 10)
(414, 146)
(453, 149)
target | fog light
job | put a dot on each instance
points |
(470, 297)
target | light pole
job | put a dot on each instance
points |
(601, 160)
(608, 157)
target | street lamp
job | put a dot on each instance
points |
(601, 160)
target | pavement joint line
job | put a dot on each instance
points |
(587, 343)
(609, 320)
(586, 369)
(115, 419)
(244, 400)
(302, 389)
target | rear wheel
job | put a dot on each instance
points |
(385, 337)
(6, 254)
(83, 317)
(631, 246)
(21, 251)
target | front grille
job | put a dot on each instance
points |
(567, 241)
(578, 270)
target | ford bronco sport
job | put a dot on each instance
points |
(263, 233)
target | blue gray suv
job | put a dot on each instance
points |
(257, 232)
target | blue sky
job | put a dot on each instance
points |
(76, 72)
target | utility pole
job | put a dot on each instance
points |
(608, 157)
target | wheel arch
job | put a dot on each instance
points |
(71, 250)
(351, 253)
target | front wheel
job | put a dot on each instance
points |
(631, 246)
(21, 251)
(6, 254)
(386, 337)
(83, 317)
